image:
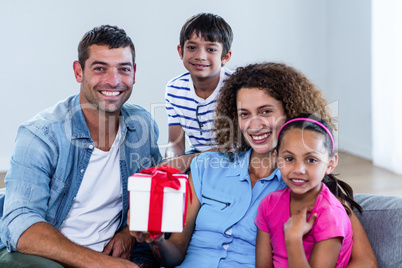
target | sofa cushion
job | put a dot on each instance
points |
(382, 220)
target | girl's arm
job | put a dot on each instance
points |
(171, 252)
(263, 250)
(295, 228)
(362, 252)
(329, 248)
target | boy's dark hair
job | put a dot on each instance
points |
(339, 188)
(104, 35)
(211, 27)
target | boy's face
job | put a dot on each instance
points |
(202, 58)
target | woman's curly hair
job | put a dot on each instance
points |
(284, 83)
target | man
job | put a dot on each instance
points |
(66, 198)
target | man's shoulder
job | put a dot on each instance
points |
(57, 113)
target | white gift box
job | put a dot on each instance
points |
(139, 186)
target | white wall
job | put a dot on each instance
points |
(39, 42)
(387, 85)
(349, 73)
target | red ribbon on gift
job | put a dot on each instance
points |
(162, 177)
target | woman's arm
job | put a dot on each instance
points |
(362, 252)
(171, 252)
(263, 250)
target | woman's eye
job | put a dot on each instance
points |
(242, 114)
(266, 111)
(288, 159)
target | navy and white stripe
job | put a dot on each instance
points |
(182, 104)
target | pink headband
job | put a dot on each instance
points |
(312, 121)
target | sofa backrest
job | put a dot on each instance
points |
(382, 220)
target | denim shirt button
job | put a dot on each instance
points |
(91, 146)
(82, 170)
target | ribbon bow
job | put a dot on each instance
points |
(162, 177)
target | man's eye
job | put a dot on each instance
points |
(126, 70)
(99, 69)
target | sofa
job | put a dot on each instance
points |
(382, 220)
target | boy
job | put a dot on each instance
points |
(205, 41)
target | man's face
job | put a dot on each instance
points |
(107, 80)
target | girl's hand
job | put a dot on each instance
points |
(297, 225)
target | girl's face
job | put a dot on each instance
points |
(260, 116)
(304, 160)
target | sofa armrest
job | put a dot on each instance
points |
(382, 220)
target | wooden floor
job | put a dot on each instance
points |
(359, 173)
(366, 178)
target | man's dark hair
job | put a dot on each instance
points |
(211, 27)
(104, 35)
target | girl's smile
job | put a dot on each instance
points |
(304, 160)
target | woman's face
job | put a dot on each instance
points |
(260, 116)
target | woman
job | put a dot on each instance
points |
(229, 185)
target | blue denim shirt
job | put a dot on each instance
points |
(50, 156)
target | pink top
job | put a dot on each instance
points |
(332, 221)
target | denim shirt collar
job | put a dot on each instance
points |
(79, 127)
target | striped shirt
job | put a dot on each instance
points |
(195, 115)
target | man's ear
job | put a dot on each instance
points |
(180, 51)
(135, 70)
(77, 71)
(227, 57)
(333, 162)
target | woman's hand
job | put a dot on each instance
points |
(146, 237)
(142, 236)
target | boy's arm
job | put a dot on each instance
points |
(175, 152)
(176, 146)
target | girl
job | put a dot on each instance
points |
(305, 225)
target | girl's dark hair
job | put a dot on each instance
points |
(339, 188)
(211, 27)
